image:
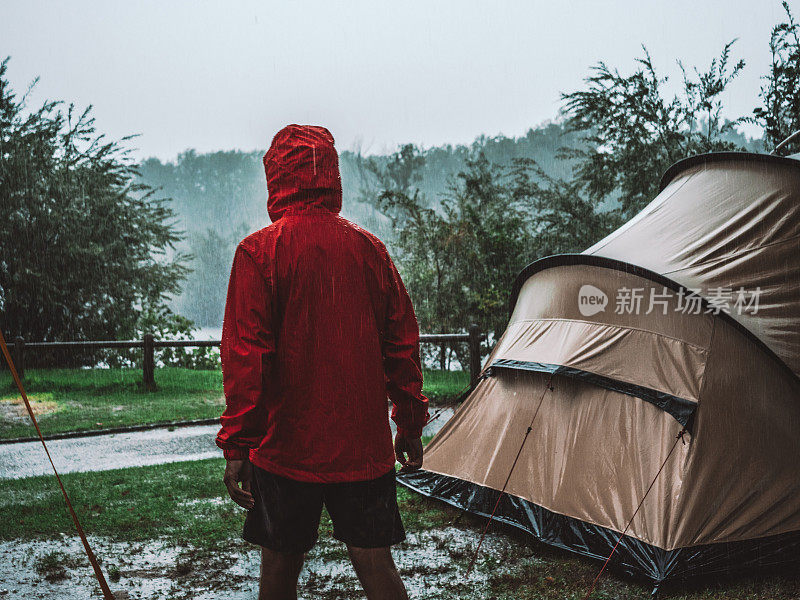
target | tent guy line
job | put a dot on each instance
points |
(547, 387)
(107, 594)
(641, 502)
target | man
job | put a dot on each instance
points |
(318, 330)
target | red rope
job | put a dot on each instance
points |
(514, 464)
(107, 595)
(621, 535)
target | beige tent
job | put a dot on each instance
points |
(686, 317)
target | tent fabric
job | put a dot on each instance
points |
(660, 349)
(593, 470)
(729, 496)
(679, 408)
(724, 222)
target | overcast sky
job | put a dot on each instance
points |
(223, 75)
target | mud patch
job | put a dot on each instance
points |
(12, 408)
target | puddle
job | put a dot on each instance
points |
(215, 501)
(432, 564)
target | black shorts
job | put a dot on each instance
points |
(286, 514)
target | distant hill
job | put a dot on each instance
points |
(220, 197)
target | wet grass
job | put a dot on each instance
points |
(103, 398)
(83, 399)
(444, 386)
(54, 565)
(186, 499)
(186, 503)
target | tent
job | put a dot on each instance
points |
(649, 385)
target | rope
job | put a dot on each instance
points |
(435, 416)
(511, 470)
(98, 573)
(641, 502)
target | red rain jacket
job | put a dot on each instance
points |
(318, 331)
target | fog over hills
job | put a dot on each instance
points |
(220, 197)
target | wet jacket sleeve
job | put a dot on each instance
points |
(401, 360)
(248, 345)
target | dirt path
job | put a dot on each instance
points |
(135, 449)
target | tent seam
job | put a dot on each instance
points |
(663, 335)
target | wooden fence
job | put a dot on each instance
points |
(149, 344)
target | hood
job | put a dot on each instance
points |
(302, 170)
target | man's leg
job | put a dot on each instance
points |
(279, 573)
(377, 573)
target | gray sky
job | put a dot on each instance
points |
(223, 75)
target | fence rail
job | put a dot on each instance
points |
(149, 344)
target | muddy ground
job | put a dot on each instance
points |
(433, 565)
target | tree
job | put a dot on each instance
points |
(226, 188)
(633, 132)
(779, 113)
(490, 225)
(566, 220)
(205, 287)
(419, 242)
(460, 258)
(84, 250)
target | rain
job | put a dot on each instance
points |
(523, 277)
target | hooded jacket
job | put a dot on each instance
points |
(318, 331)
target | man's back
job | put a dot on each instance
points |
(318, 328)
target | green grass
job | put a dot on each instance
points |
(186, 499)
(81, 399)
(444, 386)
(187, 503)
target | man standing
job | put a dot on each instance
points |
(318, 331)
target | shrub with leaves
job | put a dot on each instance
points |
(83, 247)
(164, 324)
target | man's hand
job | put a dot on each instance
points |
(410, 448)
(239, 471)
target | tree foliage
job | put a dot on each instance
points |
(567, 221)
(204, 290)
(460, 256)
(489, 225)
(84, 249)
(633, 131)
(779, 114)
(421, 246)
